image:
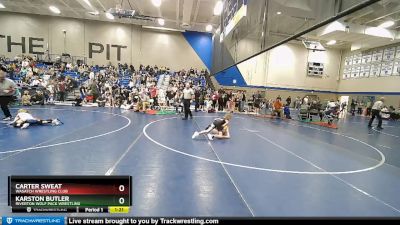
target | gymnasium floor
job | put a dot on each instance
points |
(269, 167)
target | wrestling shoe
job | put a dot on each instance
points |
(7, 118)
(195, 135)
(210, 137)
(25, 125)
(56, 122)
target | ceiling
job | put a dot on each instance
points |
(299, 15)
(196, 13)
(360, 23)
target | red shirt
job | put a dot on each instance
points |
(153, 92)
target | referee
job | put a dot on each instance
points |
(7, 90)
(188, 94)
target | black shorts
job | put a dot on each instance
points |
(219, 128)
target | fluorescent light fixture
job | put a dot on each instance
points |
(221, 38)
(156, 3)
(379, 32)
(54, 9)
(95, 13)
(109, 16)
(162, 28)
(331, 42)
(387, 24)
(209, 28)
(279, 13)
(87, 3)
(218, 8)
(2, 6)
(161, 22)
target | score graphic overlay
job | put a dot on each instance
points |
(86, 194)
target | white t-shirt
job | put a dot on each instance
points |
(377, 105)
(35, 83)
(305, 100)
(5, 86)
(331, 105)
(188, 93)
(25, 116)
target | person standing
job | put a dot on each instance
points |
(188, 94)
(61, 90)
(7, 90)
(197, 95)
(376, 112)
(94, 90)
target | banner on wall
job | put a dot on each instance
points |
(234, 11)
(36, 46)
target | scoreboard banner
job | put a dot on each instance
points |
(233, 12)
(172, 220)
(89, 194)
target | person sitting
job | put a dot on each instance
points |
(26, 99)
(78, 101)
(126, 105)
(101, 101)
(24, 119)
(145, 100)
(286, 111)
(218, 128)
(277, 110)
(331, 111)
(178, 102)
(38, 98)
(385, 114)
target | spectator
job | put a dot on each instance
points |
(38, 98)
(286, 111)
(78, 101)
(288, 101)
(61, 90)
(278, 107)
(26, 99)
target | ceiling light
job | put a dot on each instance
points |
(156, 3)
(2, 6)
(109, 16)
(162, 28)
(87, 3)
(218, 8)
(331, 42)
(387, 24)
(209, 28)
(54, 9)
(161, 21)
(95, 13)
(279, 13)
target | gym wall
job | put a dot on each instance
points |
(369, 85)
(284, 68)
(137, 45)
